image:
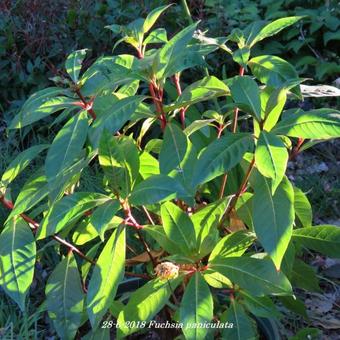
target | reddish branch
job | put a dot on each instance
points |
(35, 225)
(179, 92)
(296, 149)
(157, 96)
(87, 105)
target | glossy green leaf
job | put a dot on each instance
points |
(170, 50)
(107, 274)
(244, 327)
(158, 234)
(20, 162)
(232, 245)
(115, 117)
(273, 71)
(274, 28)
(65, 298)
(68, 210)
(273, 216)
(41, 104)
(149, 165)
(220, 156)
(318, 124)
(155, 189)
(258, 276)
(271, 157)
(177, 157)
(17, 260)
(73, 64)
(33, 191)
(323, 238)
(179, 228)
(152, 17)
(260, 306)
(196, 308)
(273, 107)
(245, 91)
(206, 221)
(241, 56)
(294, 304)
(158, 36)
(144, 304)
(201, 90)
(66, 147)
(173, 150)
(302, 207)
(120, 162)
(216, 279)
(103, 216)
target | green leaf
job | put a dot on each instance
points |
(241, 56)
(65, 298)
(158, 36)
(120, 162)
(20, 162)
(202, 90)
(271, 157)
(206, 222)
(103, 215)
(33, 191)
(144, 304)
(115, 117)
(274, 71)
(302, 207)
(273, 107)
(178, 156)
(170, 51)
(17, 260)
(274, 28)
(258, 276)
(107, 274)
(196, 308)
(149, 165)
(41, 104)
(173, 150)
(260, 306)
(294, 304)
(216, 280)
(304, 277)
(68, 210)
(244, 327)
(245, 91)
(179, 228)
(155, 189)
(220, 156)
(232, 245)
(158, 234)
(152, 17)
(273, 216)
(73, 64)
(66, 147)
(317, 124)
(323, 238)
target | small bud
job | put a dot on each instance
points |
(167, 270)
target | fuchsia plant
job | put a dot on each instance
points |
(206, 196)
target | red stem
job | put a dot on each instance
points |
(179, 92)
(87, 105)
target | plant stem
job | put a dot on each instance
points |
(34, 225)
(240, 191)
(179, 92)
(186, 11)
(234, 128)
(87, 105)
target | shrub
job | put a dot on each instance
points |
(192, 178)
